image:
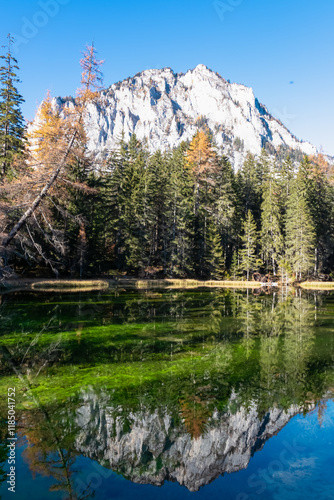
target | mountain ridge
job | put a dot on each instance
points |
(164, 108)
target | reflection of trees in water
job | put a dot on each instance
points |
(4, 450)
(208, 344)
(286, 349)
(50, 449)
(195, 413)
(298, 343)
(248, 316)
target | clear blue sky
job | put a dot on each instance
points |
(282, 49)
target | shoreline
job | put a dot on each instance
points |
(75, 285)
(67, 285)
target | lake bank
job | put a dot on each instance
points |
(75, 285)
(66, 285)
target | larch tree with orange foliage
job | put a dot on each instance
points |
(202, 160)
(56, 141)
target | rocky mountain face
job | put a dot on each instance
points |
(150, 448)
(164, 109)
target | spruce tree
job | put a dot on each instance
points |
(133, 206)
(299, 229)
(249, 185)
(157, 187)
(224, 207)
(271, 236)
(248, 257)
(235, 267)
(181, 215)
(286, 177)
(215, 261)
(11, 120)
(318, 196)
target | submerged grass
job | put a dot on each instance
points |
(199, 343)
(60, 383)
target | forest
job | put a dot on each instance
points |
(178, 213)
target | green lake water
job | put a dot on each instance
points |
(168, 394)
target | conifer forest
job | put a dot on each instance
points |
(182, 213)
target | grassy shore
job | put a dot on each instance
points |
(180, 283)
(317, 285)
(40, 285)
(70, 285)
(47, 285)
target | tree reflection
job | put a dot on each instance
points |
(192, 356)
(50, 449)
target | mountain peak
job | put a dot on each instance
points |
(164, 109)
(202, 68)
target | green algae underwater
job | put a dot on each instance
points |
(97, 371)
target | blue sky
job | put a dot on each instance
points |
(282, 49)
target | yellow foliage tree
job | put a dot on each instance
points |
(58, 137)
(200, 155)
(202, 160)
(321, 166)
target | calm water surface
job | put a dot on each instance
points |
(173, 394)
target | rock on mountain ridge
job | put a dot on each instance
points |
(164, 109)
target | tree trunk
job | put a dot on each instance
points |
(315, 261)
(40, 197)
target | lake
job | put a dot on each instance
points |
(168, 394)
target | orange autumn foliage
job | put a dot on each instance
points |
(201, 157)
(195, 415)
(320, 166)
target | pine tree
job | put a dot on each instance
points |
(224, 207)
(314, 175)
(181, 215)
(215, 261)
(157, 188)
(271, 236)
(249, 180)
(235, 267)
(299, 229)
(248, 257)
(11, 120)
(286, 177)
(133, 206)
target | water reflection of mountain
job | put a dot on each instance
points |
(150, 448)
(161, 386)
